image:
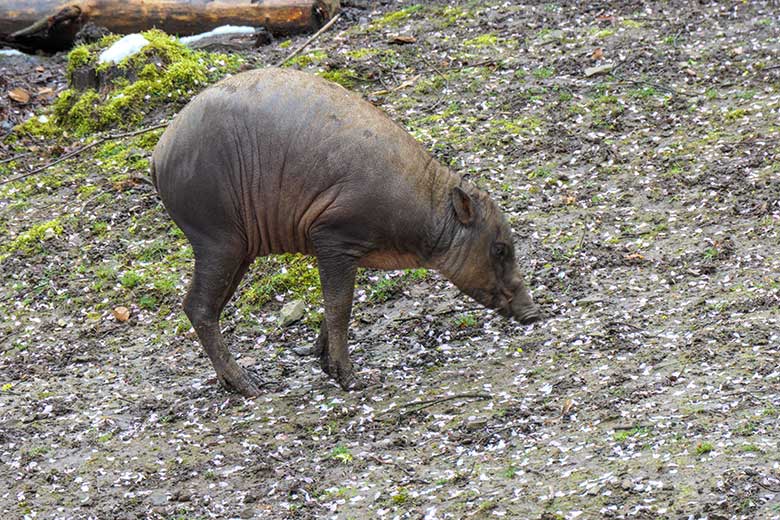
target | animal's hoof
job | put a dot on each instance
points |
(344, 375)
(361, 380)
(246, 383)
(352, 382)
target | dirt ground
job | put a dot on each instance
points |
(635, 148)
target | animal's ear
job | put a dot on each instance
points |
(464, 206)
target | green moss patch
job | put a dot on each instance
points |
(166, 71)
(29, 241)
(395, 18)
(344, 77)
(310, 58)
(485, 40)
(296, 274)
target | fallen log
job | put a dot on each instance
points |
(52, 25)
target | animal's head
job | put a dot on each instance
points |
(481, 261)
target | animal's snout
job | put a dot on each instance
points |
(524, 309)
(529, 316)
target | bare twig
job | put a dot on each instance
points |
(768, 487)
(443, 90)
(489, 61)
(309, 41)
(442, 313)
(14, 158)
(83, 149)
(485, 438)
(629, 427)
(422, 405)
(45, 24)
(437, 400)
(622, 64)
(750, 394)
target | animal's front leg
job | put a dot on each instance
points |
(337, 275)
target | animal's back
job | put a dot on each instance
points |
(267, 150)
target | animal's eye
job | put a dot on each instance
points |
(500, 250)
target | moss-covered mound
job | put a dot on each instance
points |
(165, 71)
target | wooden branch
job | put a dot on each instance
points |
(309, 41)
(15, 157)
(82, 149)
(422, 405)
(26, 23)
(442, 313)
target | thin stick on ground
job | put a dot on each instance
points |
(422, 405)
(442, 313)
(309, 41)
(15, 157)
(83, 149)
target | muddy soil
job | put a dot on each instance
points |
(635, 147)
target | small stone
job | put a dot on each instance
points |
(476, 425)
(601, 69)
(158, 498)
(590, 300)
(121, 313)
(180, 496)
(306, 350)
(291, 312)
(247, 361)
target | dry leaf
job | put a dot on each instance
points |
(402, 39)
(634, 256)
(45, 92)
(408, 83)
(568, 404)
(569, 200)
(39, 68)
(121, 313)
(19, 95)
(598, 54)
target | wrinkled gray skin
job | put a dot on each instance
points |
(273, 161)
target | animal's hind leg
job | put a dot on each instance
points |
(218, 271)
(337, 274)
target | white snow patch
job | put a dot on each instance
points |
(222, 29)
(11, 52)
(123, 48)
